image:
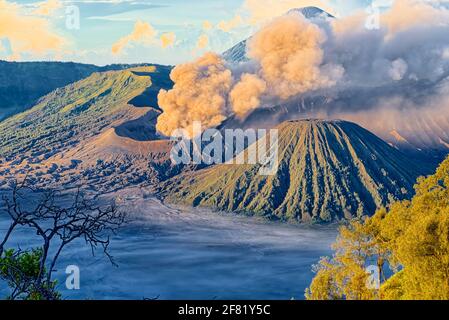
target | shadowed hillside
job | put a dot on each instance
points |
(328, 170)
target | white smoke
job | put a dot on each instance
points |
(199, 94)
(409, 44)
(290, 56)
(287, 60)
(399, 67)
(245, 96)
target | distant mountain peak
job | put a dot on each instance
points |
(238, 52)
(311, 12)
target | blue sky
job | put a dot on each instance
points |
(104, 23)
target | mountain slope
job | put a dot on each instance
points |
(90, 129)
(238, 52)
(420, 133)
(23, 83)
(328, 170)
(76, 110)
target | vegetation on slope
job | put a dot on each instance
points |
(411, 238)
(23, 83)
(93, 134)
(71, 114)
(328, 171)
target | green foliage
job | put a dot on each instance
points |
(21, 270)
(57, 223)
(412, 237)
(22, 84)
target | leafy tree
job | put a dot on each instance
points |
(410, 237)
(344, 275)
(20, 269)
(58, 221)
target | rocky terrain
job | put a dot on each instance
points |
(98, 132)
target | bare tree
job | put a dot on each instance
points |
(58, 221)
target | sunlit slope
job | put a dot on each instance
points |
(328, 170)
(22, 84)
(68, 116)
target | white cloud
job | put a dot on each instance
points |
(143, 33)
(48, 7)
(26, 32)
(207, 25)
(168, 39)
(202, 42)
(227, 26)
(398, 69)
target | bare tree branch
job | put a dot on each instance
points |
(57, 224)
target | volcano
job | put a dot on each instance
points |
(98, 132)
(328, 171)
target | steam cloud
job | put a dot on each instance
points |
(143, 32)
(245, 94)
(396, 72)
(290, 56)
(199, 94)
(29, 33)
(287, 61)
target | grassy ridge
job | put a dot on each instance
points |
(23, 83)
(70, 114)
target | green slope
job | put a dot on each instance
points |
(23, 83)
(328, 170)
(78, 111)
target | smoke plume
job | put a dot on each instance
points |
(287, 60)
(290, 56)
(393, 76)
(199, 94)
(245, 96)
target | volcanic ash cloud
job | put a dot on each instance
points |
(286, 61)
(246, 94)
(355, 67)
(290, 56)
(200, 93)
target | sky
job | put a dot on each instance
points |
(134, 31)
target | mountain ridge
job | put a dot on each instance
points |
(98, 130)
(23, 84)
